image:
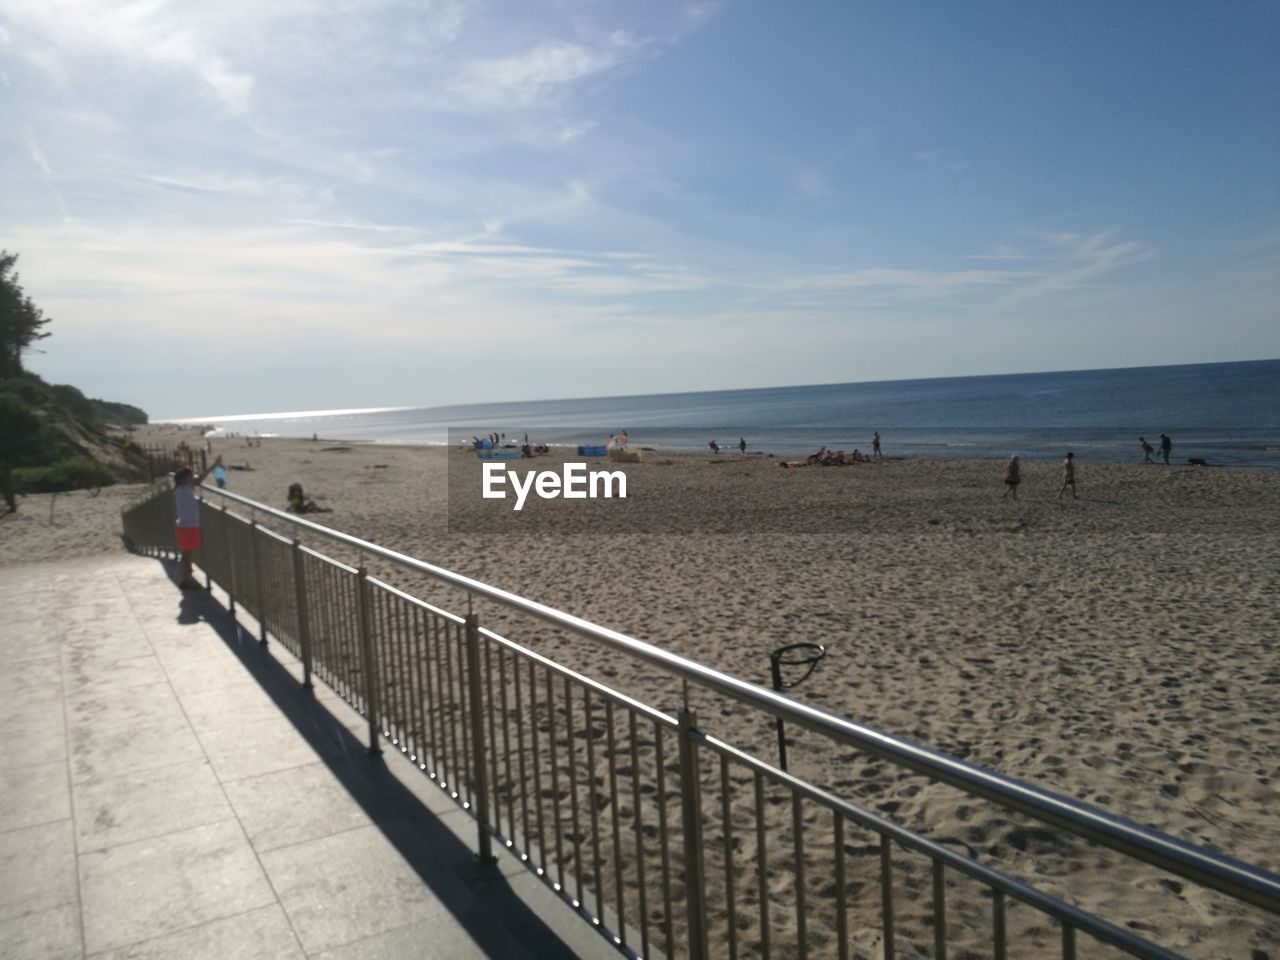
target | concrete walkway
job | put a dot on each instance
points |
(168, 789)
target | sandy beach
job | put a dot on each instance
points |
(1120, 648)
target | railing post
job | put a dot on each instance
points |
(300, 601)
(479, 777)
(260, 610)
(691, 808)
(204, 527)
(367, 663)
(231, 563)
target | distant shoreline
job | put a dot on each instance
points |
(730, 451)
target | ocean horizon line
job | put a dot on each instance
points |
(356, 411)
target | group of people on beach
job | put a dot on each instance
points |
(1013, 477)
(1013, 468)
(1166, 445)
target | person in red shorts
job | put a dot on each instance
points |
(188, 524)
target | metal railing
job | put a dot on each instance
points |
(664, 837)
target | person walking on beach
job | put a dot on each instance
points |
(742, 445)
(1147, 450)
(1012, 477)
(875, 446)
(1068, 475)
(187, 528)
(1165, 446)
(715, 447)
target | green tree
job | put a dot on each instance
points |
(20, 319)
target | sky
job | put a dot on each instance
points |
(243, 207)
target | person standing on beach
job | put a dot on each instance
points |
(875, 446)
(1147, 450)
(1165, 446)
(742, 444)
(1012, 477)
(187, 528)
(1068, 475)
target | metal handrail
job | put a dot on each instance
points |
(1208, 868)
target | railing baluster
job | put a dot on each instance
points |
(451, 718)
(570, 737)
(691, 811)
(999, 939)
(555, 778)
(383, 656)
(430, 756)
(593, 798)
(367, 666)
(489, 707)
(886, 893)
(842, 896)
(231, 563)
(762, 865)
(615, 801)
(384, 651)
(726, 817)
(797, 834)
(664, 839)
(637, 803)
(256, 592)
(443, 711)
(300, 600)
(939, 911)
(466, 782)
(537, 771)
(520, 715)
(1068, 941)
(479, 771)
(506, 746)
(417, 663)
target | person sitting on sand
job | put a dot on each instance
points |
(298, 502)
(715, 447)
(1012, 477)
(817, 457)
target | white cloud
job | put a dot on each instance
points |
(537, 74)
(141, 32)
(46, 174)
(37, 156)
(1049, 264)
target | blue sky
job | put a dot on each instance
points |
(243, 207)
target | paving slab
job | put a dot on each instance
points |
(39, 864)
(161, 885)
(140, 804)
(261, 934)
(35, 795)
(52, 934)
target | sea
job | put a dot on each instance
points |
(1226, 414)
